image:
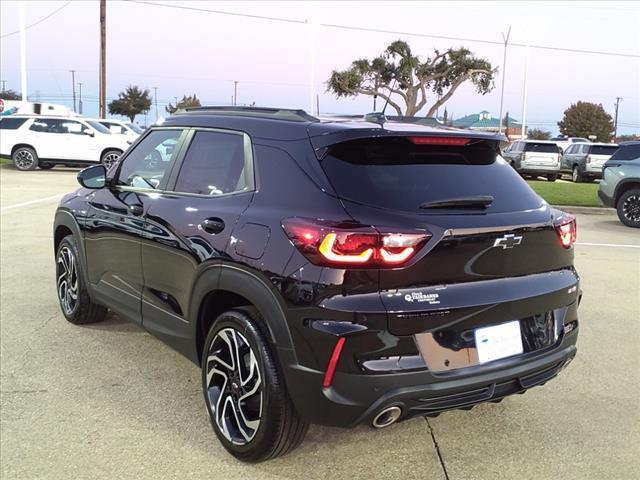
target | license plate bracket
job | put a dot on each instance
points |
(498, 341)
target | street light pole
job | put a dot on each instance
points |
(525, 93)
(504, 68)
(103, 59)
(73, 88)
(235, 93)
(23, 51)
(80, 98)
(155, 100)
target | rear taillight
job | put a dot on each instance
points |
(566, 229)
(439, 141)
(588, 158)
(352, 245)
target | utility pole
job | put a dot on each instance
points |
(3, 84)
(103, 59)
(235, 93)
(155, 100)
(504, 68)
(525, 94)
(73, 88)
(23, 50)
(317, 104)
(615, 122)
(80, 98)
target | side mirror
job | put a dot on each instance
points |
(89, 131)
(93, 177)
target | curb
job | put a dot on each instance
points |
(586, 210)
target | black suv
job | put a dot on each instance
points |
(328, 271)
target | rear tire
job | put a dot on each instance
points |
(252, 416)
(552, 177)
(46, 166)
(628, 208)
(110, 158)
(576, 176)
(25, 159)
(75, 303)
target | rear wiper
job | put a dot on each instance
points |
(480, 201)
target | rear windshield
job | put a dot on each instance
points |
(541, 147)
(600, 150)
(11, 123)
(396, 174)
(627, 152)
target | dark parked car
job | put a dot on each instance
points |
(584, 161)
(620, 185)
(335, 272)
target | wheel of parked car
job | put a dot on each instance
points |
(246, 398)
(110, 158)
(75, 302)
(628, 208)
(46, 166)
(25, 158)
(576, 176)
(552, 177)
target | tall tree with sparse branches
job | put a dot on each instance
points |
(398, 76)
(131, 102)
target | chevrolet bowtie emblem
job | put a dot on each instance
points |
(508, 241)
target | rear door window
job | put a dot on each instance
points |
(542, 147)
(627, 152)
(11, 123)
(394, 173)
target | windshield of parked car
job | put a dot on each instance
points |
(394, 173)
(135, 128)
(98, 126)
(603, 150)
(542, 147)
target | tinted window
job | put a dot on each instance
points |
(394, 173)
(602, 150)
(579, 140)
(214, 165)
(146, 164)
(627, 152)
(11, 123)
(542, 147)
(135, 128)
(114, 127)
(98, 126)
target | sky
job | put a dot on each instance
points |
(287, 63)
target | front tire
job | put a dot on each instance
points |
(25, 159)
(628, 208)
(247, 400)
(110, 158)
(46, 166)
(552, 177)
(75, 303)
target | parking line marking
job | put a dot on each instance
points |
(614, 245)
(32, 202)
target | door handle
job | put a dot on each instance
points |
(212, 225)
(136, 209)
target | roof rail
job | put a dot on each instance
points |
(296, 115)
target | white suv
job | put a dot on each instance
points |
(45, 141)
(118, 127)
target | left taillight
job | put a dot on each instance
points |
(566, 229)
(352, 245)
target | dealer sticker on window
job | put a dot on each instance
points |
(498, 341)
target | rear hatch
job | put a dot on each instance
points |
(598, 155)
(396, 184)
(545, 155)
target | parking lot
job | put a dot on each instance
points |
(110, 401)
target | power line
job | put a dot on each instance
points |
(39, 21)
(380, 30)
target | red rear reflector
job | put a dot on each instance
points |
(567, 230)
(439, 140)
(333, 362)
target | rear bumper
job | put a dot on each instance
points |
(356, 399)
(539, 170)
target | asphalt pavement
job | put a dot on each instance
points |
(110, 401)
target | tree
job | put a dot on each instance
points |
(186, 102)
(398, 73)
(131, 102)
(583, 119)
(10, 95)
(538, 134)
(627, 138)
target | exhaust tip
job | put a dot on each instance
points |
(386, 417)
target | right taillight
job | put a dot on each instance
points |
(566, 229)
(352, 245)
